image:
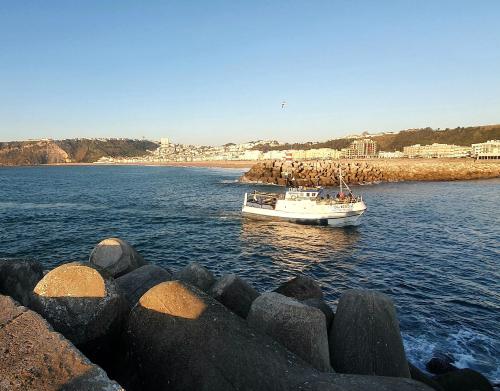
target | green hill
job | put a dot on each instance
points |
(396, 142)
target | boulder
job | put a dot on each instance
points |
(325, 308)
(301, 288)
(180, 338)
(365, 337)
(235, 293)
(418, 375)
(134, 284)
(197, 275)
(441, 364)
(298, 327)
(82, 304)
(116, 256)
(464, 380)
(34, 357)
(18, 277)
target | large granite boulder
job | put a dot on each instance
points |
(34, 357)
(464, 380)
(235, 293)
(196, 275)
(298, 327)
(18, 277)
(116, 256)
(182, 339)
(134, 284)
(301, 288)
(323, 307)
(365, 337)
(81, 303)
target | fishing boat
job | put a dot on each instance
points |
(307, 205)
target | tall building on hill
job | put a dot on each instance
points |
(361, 149)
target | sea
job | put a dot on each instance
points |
(433, 247)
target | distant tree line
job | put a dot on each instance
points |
(395, 142)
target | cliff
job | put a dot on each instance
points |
(69, 151)
(325, 173)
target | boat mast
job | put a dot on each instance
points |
(340, 179)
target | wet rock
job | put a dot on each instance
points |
(82, 304)
(183, 339)
(116, 256)
(301, 288)
(18, 277)
(134, 284)
(365, 337)
(464, 380)
(235, 293)
(325, 308)
(418, 375)
(197, 275)
(298, 327)
(441, 364)
(34, 357)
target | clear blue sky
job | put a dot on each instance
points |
(211, 72)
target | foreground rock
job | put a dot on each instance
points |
(134, 284)
(196, 275)
(235, 293)
(18, 277)
(464, 380)
(365, 337)
(301, 288)
(183, 339)
(323, 307)
(441, 364)
(116, 256)
(34, 357)
(417, 374)
(298, 327)
(80, 303)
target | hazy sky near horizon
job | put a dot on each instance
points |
(210, 72)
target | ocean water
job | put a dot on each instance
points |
(433, 247)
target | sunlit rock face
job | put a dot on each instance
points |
(79, 302)
(174, 299)
(116, 256)
(34, 357)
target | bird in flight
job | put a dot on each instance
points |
(283, 104)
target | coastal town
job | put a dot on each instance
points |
(360, 148)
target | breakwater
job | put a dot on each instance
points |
(326, 173)
(120, 317)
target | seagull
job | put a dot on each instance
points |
(283, 104)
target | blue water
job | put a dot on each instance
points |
(433, 247)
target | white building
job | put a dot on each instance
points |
(488, 150)
(391, 155)
(436, 151)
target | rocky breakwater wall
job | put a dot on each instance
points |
(151, 328)
(326, 173)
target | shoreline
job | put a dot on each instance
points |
(204, 164)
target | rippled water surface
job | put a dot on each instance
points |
(433, 247)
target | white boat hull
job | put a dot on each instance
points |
(334, 218)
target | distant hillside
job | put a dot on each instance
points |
(70, 151)
(396, 142)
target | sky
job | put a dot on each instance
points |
(211, 72)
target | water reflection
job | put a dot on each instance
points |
(295, 247)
